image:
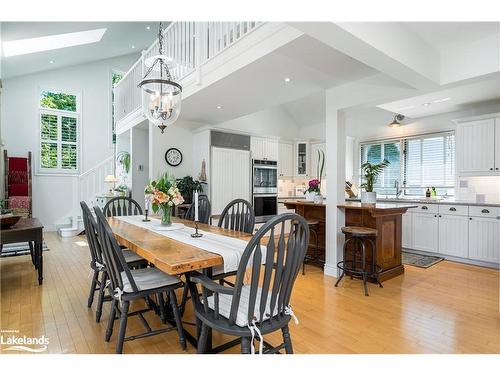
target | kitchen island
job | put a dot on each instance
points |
(312, 212)
(387, 219)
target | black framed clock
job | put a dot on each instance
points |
(173, 157)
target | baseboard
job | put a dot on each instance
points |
(330, 270)
(456, 259)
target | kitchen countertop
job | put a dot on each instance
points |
(376, 207)
(450, 201)
(302, 202)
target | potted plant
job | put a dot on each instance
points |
(165, 196)
(313, 193)
(313, 189)
(186, 186)
(370, 174)
(121, 190)
(123, 157)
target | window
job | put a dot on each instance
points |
(115, 78)
(415, 162)
(59, 132)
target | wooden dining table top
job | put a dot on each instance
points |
(170, 256)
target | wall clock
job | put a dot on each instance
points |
(173, 157)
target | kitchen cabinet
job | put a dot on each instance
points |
(301, 164)
(264, 148)
(454, 235)
(477, 142)
(285, 159)
(407, 230)
(425, 231)
(315, 147)
(484, 239)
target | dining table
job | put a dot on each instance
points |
(175, 257)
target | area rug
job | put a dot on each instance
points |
(21, 248)
(422, 261)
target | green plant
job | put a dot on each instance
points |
(321, 165)
(370, 174)
(187, 185)
(123, 157)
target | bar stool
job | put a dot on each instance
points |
(313, 229)
(359, 236)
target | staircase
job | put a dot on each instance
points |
(85, 188)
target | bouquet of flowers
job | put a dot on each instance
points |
(164, 195)
(314, 186)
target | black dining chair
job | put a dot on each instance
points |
(250, 311)
(238, 215)
(204, 210)
(121, 206)
(97, 264)
(127, 285)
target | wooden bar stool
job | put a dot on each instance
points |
(313, 229)
(354, 267)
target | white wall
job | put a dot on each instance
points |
(139, 168)
(52, 199)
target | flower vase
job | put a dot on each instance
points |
(309, 195)
(166, 215)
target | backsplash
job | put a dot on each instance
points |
(287, 186)
(479, 189)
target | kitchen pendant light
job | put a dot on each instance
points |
(396, 123)
(161, 94)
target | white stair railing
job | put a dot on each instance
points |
(190, 45)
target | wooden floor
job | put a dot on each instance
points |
(448, 308)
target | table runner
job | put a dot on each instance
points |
(230, 249)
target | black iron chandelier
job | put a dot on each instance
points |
(161, 94)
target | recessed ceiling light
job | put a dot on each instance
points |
(288, 79)
(148, 27)
(219, 107)
(132, 46)
(51, 61)
(441, 100)
(426, 104)
(47, 43)
(407, 107)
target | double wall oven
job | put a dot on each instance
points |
(265, 189)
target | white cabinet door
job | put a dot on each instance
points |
(497, 144)
(230, 177)
(425, 232)
(407, 231)
(484, 239)
(454, 235)
(476, 146)
(257, 145)
(285, 159)
(271, 149)
(315, 147)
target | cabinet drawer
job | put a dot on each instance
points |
(484, 211)
(447, 209)
(426, 208)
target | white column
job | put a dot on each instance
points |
(335, 156)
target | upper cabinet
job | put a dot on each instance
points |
(302, 150)
(264, 148)
(478, 147)
(285, 159)
(316, 150)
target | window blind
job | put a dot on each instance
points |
(415, 162)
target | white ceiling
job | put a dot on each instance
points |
(117, 40)
(415, 107)
(312, 66)
(441, 35)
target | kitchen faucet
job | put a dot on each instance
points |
(396, 186)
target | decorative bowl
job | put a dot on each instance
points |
(6, 221)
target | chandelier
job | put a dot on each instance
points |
(161, 94)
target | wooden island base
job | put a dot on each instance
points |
(387, 219)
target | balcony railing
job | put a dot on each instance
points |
(190, 45)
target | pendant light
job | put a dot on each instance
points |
(161, 94)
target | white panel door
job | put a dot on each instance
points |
(454, 235)
(425, 232)
(407, 231)
(271, 149)
(497, 144)
(285, 159)
(475, 146)
(230, 177)
(484, 239)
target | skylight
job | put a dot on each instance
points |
(51, 42)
